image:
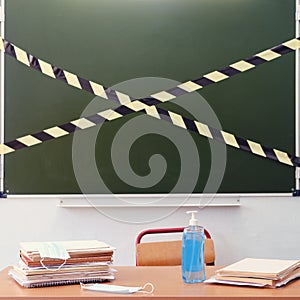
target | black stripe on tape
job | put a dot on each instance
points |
(69, 127)
(255, 60)
(203, 81)
(124, 110)
(9, 49)
(243, 144)
(42, 136)
(34, 63)
(229, 71)
(269, 152)
(190, 124)
(59, 73)
(111, 94)
(176, 91)
(85, 84)
(96, 119)
(164, 115)
(16, 145)
(281, 49)
(216, 134)
(150, 101)
(295, 160)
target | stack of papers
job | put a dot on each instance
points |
(258, 272)
(64, 262)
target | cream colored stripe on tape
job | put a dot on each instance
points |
(163, 96)
(46, 68)
(189, 86)
(5, 149)
(203, 129)
(136, 105)
(2, 45)
(256, 148)
(98, 89)
(242, 66)
(152, 111)
(56, 132)
(123, 98)
(72, 79)
(230, 139)
(216, 76)
(292, 44)
(83, 123)
(283, 157)
(22, 56)
(177, 119)
(29, 140)
(109, 114)
(268, 55)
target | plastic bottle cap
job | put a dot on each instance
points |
(193, 220)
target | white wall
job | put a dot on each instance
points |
(260, 227)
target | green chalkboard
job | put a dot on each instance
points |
(142, 47)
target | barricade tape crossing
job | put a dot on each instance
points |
(147, 105)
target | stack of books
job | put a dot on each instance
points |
(86, 262)
(258, 272)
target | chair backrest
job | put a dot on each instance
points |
(168, 253)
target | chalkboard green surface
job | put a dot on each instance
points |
(143, 47)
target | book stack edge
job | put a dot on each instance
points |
(258, 272)
(87, 261)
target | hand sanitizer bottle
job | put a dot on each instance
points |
(193, 267)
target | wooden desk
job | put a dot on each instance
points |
(166, 280)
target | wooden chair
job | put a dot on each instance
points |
(168, 253)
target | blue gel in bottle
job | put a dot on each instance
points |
(193, 266)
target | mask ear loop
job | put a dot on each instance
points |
(148, 284)
(51, 269)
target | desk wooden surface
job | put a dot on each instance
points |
(166, 280)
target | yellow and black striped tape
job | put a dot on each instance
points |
(147, 105)
(158, 113)
(163, 96)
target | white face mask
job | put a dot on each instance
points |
(119, 289)
(53, 250)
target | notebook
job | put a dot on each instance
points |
(258, 272)
(258, 281)
(260, 268)
(44, 281)
(76, 249)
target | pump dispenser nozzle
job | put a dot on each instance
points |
(193, 221)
